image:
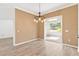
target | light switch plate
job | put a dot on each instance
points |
(18, 30)
(66, 30)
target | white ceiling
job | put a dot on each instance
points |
(34, 7)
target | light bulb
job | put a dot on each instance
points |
(35, 20)
(42, 21)
(39, 19)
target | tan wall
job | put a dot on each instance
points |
(26, 28)
(70, 19)
(40, 30)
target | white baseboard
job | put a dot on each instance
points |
(25, 42)
(71, 45)
(39, 38)
(5, 37)
(67, 45)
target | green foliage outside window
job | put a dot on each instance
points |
(55, 26)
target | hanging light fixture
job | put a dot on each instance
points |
(38, 18)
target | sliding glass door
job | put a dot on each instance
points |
(53, 29)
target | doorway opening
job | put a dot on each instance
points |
(53, 29)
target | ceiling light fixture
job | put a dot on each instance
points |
(39, 17)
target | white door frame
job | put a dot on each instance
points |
(46, 19)
(14, 29)
(78, 27)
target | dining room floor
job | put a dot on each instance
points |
(36, 48)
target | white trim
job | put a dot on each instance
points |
(25, 42)
(46, 19)
(66, 44)
(5, 37)
(14, 28)
(59, 8)
(71, 45)
(27, 11)
(78, 27)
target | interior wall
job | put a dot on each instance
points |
(6, 21)
(25, 27)
(69, 24)
(40, 30)
(6, 29)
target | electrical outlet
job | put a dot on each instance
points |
(18, 30)
(66, 30)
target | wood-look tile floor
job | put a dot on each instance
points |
(36, 48)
